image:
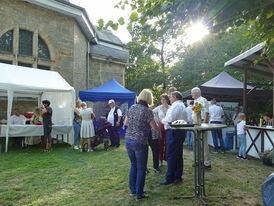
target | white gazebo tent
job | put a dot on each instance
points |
(258, 138)
(50, 85)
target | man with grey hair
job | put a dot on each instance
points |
(175, 139)
(196, 95)
(216, 114)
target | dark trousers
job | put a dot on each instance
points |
(114, 134)
(17, 141)
(155, 148)
(175, 140)
(47, 134)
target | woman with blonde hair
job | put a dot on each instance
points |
(241, 134)
(140, 120)
(87, 129)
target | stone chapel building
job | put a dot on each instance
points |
(58, 35)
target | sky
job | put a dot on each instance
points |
(104, 9)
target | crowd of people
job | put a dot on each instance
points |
(41, 116)
(150, 127)
(147, 127)
(83, 124)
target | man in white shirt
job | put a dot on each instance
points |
(175, 139)
(114, 117)
(190, 121)
(196, 95)
(216, 114)
(18, 119)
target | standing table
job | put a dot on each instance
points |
(199, 172)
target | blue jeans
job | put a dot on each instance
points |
(189, 139)
(76, 127)
(220, 136)
(242, 145)
(175, 140)
(138, 154)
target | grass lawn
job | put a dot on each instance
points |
(68, 177)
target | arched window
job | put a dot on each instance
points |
(6, 42)
(25, 42)
(25, 48)
(43, 51)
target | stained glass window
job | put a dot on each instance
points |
(25, 42)
(6, 41)
(43, 51)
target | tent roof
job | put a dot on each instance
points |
(111, 90)
(30, 80)
(226, 88)
(224, 80)
(246, 61)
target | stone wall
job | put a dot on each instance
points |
(80, 61)
(101, 71)
(66, 43)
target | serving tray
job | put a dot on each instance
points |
(181, 125)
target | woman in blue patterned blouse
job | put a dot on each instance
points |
(140, 120)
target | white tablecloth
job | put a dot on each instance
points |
(33, 130)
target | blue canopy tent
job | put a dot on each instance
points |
(110, 90)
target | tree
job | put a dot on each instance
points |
(175, 15)
(154, 24)
(205, 59)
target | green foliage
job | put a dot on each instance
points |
(235, 26)
(205, 59)
(121, 21)
(173, 15)
(100, 23)
(133, 16)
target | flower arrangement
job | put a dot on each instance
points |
(197, 107)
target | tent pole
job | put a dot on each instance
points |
(270, 65)
(10, 100)
(244, 90)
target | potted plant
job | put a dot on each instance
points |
(267, 157)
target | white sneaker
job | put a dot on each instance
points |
(76, 147)
(90, 150)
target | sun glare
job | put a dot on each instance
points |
(195, 32)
